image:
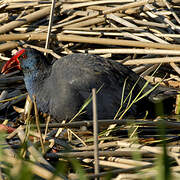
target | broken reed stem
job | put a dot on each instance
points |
(95, 129)
(27, 108)
(37, 124)
(46, 129)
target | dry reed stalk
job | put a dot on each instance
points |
(155, 38)
(117, 171)
(84, 4)
(156, 150)
(95, 132)
(136, 176)
(168, 35)
(173, 13)
(98, 8)
(13, 6)
(83, 32)
(8, 46)
(129, 161)
(131, 51)
(175, 67)
(86, 154)
(3, 17)
(85, 23)
(140, 122)
(121, 21)
(141, 68)
(148, 23)
(50, 24)
(134, 37)
(174, 148)
(25, 36)
(124, 34)
(104, 145)
(43, 50)
(106, 29)
(118, 42)
(13, 134)
(149, 70)
(115, 164)
(152, 61)
(28, 107)
(170, 83)
(46, 129)
(37, 124)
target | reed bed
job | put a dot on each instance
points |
(140, 34)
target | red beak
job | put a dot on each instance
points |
(13, 63)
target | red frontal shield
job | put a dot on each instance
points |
(13, 63)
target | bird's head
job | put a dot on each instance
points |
(25, 59)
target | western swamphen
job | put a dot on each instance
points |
(63, 87)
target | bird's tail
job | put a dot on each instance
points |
(162, 93)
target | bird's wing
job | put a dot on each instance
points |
(89, 71)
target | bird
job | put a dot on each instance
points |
(63, 88)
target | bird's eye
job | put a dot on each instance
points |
(24, 56)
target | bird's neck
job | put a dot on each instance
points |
(34, 80)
